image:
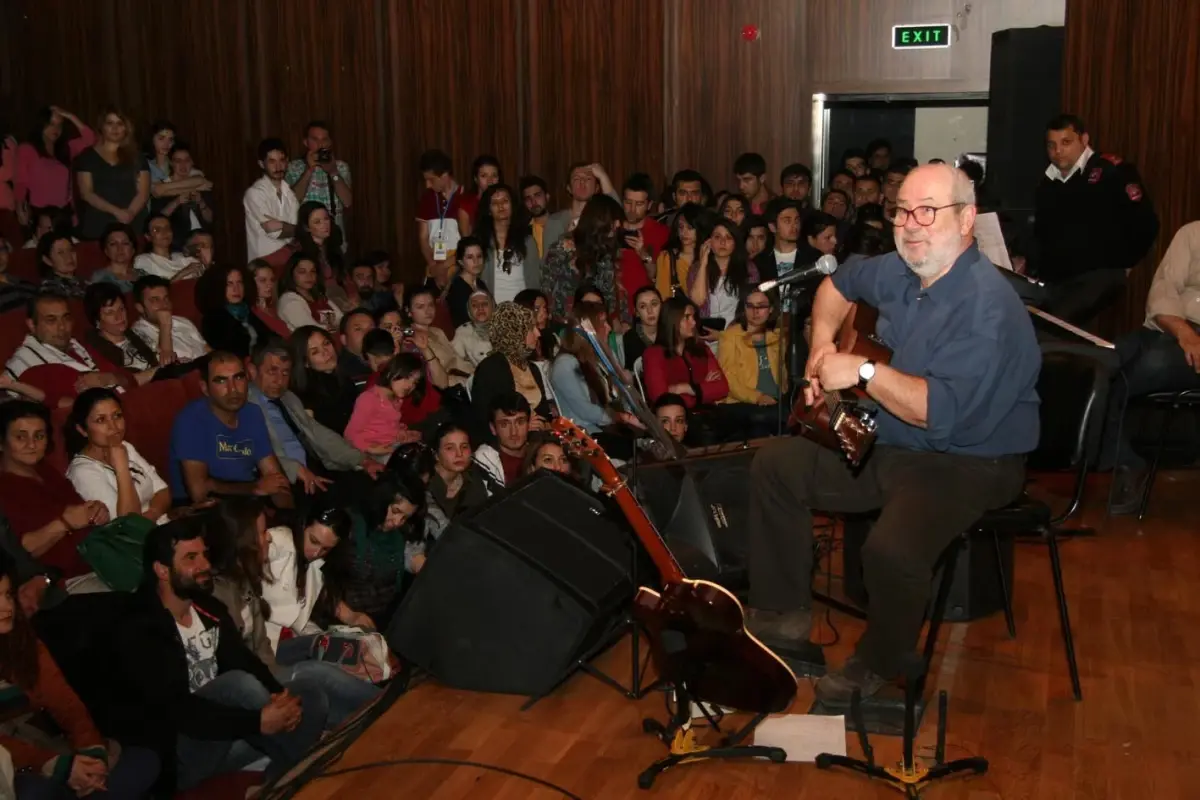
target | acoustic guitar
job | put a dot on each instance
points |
(696, 629)
(842, 421)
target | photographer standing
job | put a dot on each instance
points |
(312, 176)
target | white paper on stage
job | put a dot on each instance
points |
(991, 240)
(803, 736)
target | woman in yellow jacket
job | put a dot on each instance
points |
(748, 353)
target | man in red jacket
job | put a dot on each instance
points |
(641, 239)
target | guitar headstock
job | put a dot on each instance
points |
(576, 441)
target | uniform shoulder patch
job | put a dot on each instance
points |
(1095, 175)
(1134, 191)
(1112, 159)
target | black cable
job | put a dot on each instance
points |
(452, 762)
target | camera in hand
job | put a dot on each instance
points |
(324, 155)
(408, 333)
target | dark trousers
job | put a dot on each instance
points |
(925, 500)
(1151, 361)
(1079, 300)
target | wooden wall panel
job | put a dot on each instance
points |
(728, 95)
(595, 88)
(1130, 71)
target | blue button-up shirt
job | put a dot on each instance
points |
(972, 341)
(290, 443)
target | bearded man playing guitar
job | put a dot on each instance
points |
(958, 408)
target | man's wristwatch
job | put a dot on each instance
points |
(335, 178)
(866, 371)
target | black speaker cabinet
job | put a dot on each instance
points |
(515, 593)
(701, 506)
(1024, 93)
(975, 592)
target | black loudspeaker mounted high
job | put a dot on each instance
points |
(1024, 93)
(974, 593)
(701, 506)
(515, 593)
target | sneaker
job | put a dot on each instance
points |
(776, 626)
(836, 688)
(1129, 484)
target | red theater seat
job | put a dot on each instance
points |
(57, 457)
(10, 229)
(183, 301)
(89, 258)
(149, 414)
(24, 264)
(278, 260)
(442, 319)
(12, 333)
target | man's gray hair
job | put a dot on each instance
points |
(273, 346)
(963, 190)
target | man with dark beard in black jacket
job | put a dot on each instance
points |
(187, 674)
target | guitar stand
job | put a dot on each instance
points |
(907, 776)
(680, 737)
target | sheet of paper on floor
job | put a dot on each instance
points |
(803, 736)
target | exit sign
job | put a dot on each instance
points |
(920, 37)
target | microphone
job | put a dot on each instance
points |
(825, 265)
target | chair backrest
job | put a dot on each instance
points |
(638, 368)
(1073, 387)
(149, 415)
(12, 332)
(23, 263)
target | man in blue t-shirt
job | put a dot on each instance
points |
(958, 408)
(220, 444)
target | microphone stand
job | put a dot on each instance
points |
(789, 295)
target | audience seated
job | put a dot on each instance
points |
(104, 466)
(545, 452)
(467, 280)
(119, 251)
(270, 204)
(310, 454)
(756, 233)
(509, 419)
(672, 413)
(328, 396)
(57, 263)
(320, 241)
(175, 338)
(679, 362)
(55, 364)
(535, 300)
(783, 220)
(681, 249)
(647, 307)
(46, 514)
(110, 336)
(513, 335)
(1163, 355)
(585, 182)
(716, 280)
(352, 366)
(582, 388)
(414, 464)
(190, 209)
(220, 445)
(472, 342)
(387, 542)
(454, 486)
(160, 260)
(14, 291)
(230, 320)
(302, 299)
(185, 672)
(441, 361)
(378, 349)
(749, 355)
(91, 764)
(241, 568)
(376, 427)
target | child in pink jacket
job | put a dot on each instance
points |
(375, 426)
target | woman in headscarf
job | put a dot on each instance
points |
(513, 333)
(472, 341)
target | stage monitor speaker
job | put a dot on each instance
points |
(515, 593)
(701, 506)
(975, 592)
(1023, 94)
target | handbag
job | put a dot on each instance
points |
(363, 654)
(114, 551)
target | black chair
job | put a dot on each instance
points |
(1170, 404)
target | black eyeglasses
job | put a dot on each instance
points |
(924, 215)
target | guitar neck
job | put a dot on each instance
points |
(660, 554)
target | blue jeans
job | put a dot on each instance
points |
(198, 759)
(130, 779)
(345, 692)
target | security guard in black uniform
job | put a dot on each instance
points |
(1093, 223)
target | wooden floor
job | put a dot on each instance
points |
(1134, 593)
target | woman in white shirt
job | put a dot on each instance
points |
(471, 342)
(717, 279)
(302, 297)
(294, 577)
(511, 262)
(160, 260)
(107, 468)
